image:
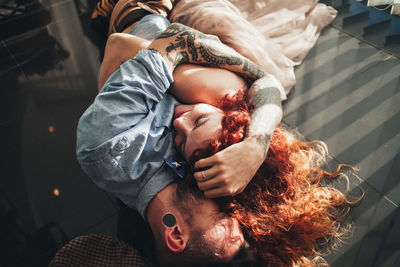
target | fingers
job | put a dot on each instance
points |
(217, 192)
(206, 185)
(222, 191)
(207, 162)
(220, 186)
(202, 176)
(219, 181)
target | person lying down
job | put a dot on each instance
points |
(280, 208)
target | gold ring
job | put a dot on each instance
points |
(204, 176)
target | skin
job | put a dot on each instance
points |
(196, 126)
(200, 84)
(230, 170)
(220, 232)
(181, 44)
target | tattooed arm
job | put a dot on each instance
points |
(181, 44)
(233, 168)
(267, 113)
(230, 170)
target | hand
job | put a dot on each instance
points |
(230, 170)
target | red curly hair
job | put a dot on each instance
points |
(285, 211)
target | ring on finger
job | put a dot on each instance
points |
(204, 176)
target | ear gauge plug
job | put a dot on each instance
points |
(169, 220)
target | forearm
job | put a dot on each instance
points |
(120, 47)
(267, 114)
(233, 168)
(181, 44)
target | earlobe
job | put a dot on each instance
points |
(174, 239)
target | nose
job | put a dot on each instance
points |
(236, 233)
(180, 124)
(234, 239)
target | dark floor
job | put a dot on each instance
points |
(347, 94)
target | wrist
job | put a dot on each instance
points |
(259, 144)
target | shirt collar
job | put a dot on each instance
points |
(179, 167)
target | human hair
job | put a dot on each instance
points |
(197, 252)
(198, 255)
(288, 212)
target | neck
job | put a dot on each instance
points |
(159, 205)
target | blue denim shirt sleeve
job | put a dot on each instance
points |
(123, 136)
(125, 99)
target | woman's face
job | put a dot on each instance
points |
(196, 126)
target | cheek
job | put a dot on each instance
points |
(188, 150)
(190, 147)
(178, 139)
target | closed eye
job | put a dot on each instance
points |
(200, 121)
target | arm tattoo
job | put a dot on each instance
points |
(187, 45)
(263, 140)
(253, 68)
(262, 96)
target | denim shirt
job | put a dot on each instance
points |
(123, 137)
